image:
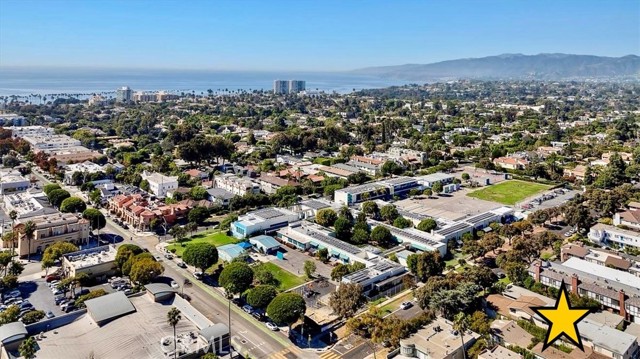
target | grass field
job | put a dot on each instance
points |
(394, 305)
(215, 237)
(509, 192)
(286, 279)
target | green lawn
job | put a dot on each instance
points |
(286, 279)
(214, 237)
(395, 304)
(508, 192)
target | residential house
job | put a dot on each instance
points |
(160, 184)
(629, 218)
(604, 234)
(437, 340)
(239, 186)
(511, 163)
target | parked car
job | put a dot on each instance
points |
(197, 274)
(53, 283)
(182, 265)
(257, 315)
(168, 256)
(174, 284)
(51, 278)
(57, 291)
(406, 305)
(247, 308)
(272, 326)
(69, 308)
(50, 314)
(59, 299)
(83, 292)
(128, 291)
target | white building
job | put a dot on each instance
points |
(49, 143)
(437, 340)
(381, 278)
(296, 86)
(23, 131)
(124, 94)
(160, 184)
(12, 181)
(609, 342)
(405, 153)
(604, 234)
(86, 167)
(417, 239)
(280, 87)
(239, 186)
(25, 205)
(263, 221)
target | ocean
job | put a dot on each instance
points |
(84, 82)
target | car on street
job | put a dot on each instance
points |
(272, 326)
(174, 284)
(168, 256)
(50, 314)
(197, 274)
(406, 305)
(257, 315)
(247, 309)
(182, 265)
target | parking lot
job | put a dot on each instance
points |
(547, 199)
(441, 206)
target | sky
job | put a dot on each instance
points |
(323, 35)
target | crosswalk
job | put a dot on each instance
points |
(330, 355)
(283, 354)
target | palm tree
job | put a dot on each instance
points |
(173, 317)
(461, 324)
(13, 215)
(28, 348)
(29, 229)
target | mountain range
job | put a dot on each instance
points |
(515, 66)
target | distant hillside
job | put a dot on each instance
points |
(515, 66)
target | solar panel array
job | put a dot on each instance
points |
(333, 241)
(480, 217)
(399, 232)
(315, 204)
(454, 228)
(268, 213)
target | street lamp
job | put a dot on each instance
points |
(229, 297)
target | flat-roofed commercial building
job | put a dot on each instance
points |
(262, 221)
(436, 340)
(384, 277)
(417, 239)
(96, 262)
(12, 182)
(51, 228)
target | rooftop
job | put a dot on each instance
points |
(606, 337)
(91, 257)
(109, 307)
(138, 335)
(438, 338)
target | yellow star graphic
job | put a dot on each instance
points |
(562, 320)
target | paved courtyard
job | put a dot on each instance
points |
(453, 206)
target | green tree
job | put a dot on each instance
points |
(339, 271)
(490, 242)
(95, 196)
(261, 295)
(309, 268)
(427, 192)
(286, 308)
(91, 295)
(236, 277)
(382, 236)
(427, 224)
(401, 222)
(9, 315)
(57, 196)
(461, 324)
(342, 227)
(200, 255)
(326, 217)
(143, 271)
(179, 233)
(370, 208)
(55, 252)
(198, 215)
(144, 185)
(346, 301)
(360, 236)
(29, 229)
(125, 252)
(50, 187)
(28, 348)
(436, 187)
(95, 218)
(72, 205)
(173, 318)
(426, 264)
(32, 317)
(389, 213)
(323, 254)
(198, 193)
(465, 176)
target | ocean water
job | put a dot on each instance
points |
(84, 82)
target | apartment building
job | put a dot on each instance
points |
(629, 218)
(239, 186)
(140, 214)
(608, 342)
(280, 87)
(160, 184)
(296, 86)
(35, 131)
(51, 228)
(124, 94)
(48, 143)
(604, 234)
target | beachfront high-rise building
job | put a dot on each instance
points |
(296, 86)
(291, 86)
(124, 94)
(280, 87)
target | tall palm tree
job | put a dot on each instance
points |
(28, 348)
(13, 215)
(29, 229)
(461, 324)
(173, 317)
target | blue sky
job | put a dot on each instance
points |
(303, 34)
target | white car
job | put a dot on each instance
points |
(272, 326)
(174, 284)
(406, 305)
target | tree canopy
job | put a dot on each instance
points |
(261, 295)
(72, 205)
(286, 308)
(236, 277)
(200, 255)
